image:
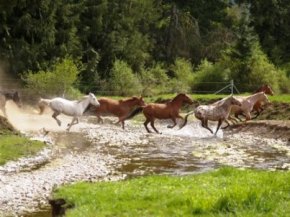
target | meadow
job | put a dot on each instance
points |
(223, 192)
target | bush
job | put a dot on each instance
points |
(183, 75)
(58, 81)
(154, 80)
(210, 77)
(262, 71)
(123, 81)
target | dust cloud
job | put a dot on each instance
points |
(27, 118)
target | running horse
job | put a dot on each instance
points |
(120, 108)
(258, 106)
(218, 111)
(4, 96)
(169, 110)
(248, 103)
(71, 108)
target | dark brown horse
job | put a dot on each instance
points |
(258, 107)
(120, 108)
(169, 110)
(6, 95)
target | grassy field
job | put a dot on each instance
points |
(225, 192)
(14, 146)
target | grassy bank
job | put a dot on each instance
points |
(14, 146)
(225, 192)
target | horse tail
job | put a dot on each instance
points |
(185, 119)
(134, 113)
(42, 103)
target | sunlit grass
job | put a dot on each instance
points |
(226, 192)
(15, 146)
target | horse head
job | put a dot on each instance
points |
(93, 100)
(140, 101)
(16, 99)
(184, 98)
(268, 90)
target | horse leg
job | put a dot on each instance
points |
(174, 123)
(54, 115)
(152, 125)
(248, 116)
(204, 123)
(145, 124)
(74, 121)
(228, 124)
(100, 120)
(218, 126)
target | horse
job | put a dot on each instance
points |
(71, 108)
(247, 105)
(120, 108)
(218, 111)
(258, 107)
(169, 110)
(4, 96)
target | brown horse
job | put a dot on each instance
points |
(169, 110)
(258, 107)
(4, 96)
(120, 108)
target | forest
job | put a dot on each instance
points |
(126, 47)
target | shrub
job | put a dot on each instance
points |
(154, 80)
(123, 81)
(58, 81)
(210, 77)
(183, 75)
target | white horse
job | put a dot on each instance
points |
(67, 107)
(247, 105)
(218, 111)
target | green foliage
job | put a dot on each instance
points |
(14, 146)
(123, 81)
(58, 81)
(210, 77)
(183, 76)
(154, 80)
(225, 192)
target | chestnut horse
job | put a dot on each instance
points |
(218, 111)
(258, 106)
(4, 96)
(120, 108)
(169, 110)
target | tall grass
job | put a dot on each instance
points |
(225, 192)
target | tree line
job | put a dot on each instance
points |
(146, 46)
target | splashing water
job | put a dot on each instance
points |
(195, 130)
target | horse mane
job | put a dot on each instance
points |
(128, 99)
(80, 100)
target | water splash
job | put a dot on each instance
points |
(195, 130)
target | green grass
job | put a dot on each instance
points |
(15, 146)
(225, 192)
